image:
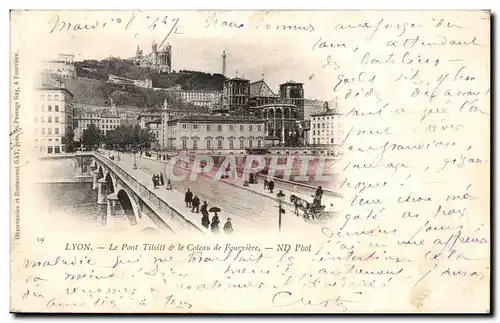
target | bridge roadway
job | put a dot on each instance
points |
(250, 209)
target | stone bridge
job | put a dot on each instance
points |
(116, 188)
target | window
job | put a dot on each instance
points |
(41, 107)
(56, 108)
(249, 143)
(49, 131)
(322, 125)
(231, 143)
(242, 144)
(184, 126)
(56, 131)
(49, 97)
(331, 140)
(231, 127)
(219, 127)
(56, 119)
(49, 108)
(184, 143)
(259, 128)
(259, 143)
(43, 131)
(195, 126)
(208, 127)
(195, 144)
(49, 149)
(42, 119)
(57, 149)
(241, 127)
(219, 144)
(314, 132)
(209, 144)
(314, 140)
(250, 128)
(56, 97)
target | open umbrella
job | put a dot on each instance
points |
(214, 209)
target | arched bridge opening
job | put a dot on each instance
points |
(126, 206)
(110, 188)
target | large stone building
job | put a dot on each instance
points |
(326, 129)
(63, 67)
(282, 114)
(104, 118)
(235, 95)
(199, 98)
(215, 134)
(158, 59)
(53, 119)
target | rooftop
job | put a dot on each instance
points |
(325, 113)
(236, 79)
(217, 118)
(260, 88)
(291, 82)
(47, 87)
(154, 121)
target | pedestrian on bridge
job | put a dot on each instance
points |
(271, 186)
(205, 220)
(265, 183)
(228, 227)
(214, 226)
(161, 180)
(188, 198)
(196, 204)
(154, 181)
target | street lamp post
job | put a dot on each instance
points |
(135, 162)
(281, 198)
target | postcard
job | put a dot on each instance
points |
(250, 161)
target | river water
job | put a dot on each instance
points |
(75, 200)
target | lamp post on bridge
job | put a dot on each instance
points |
(135, 162)
(281, 198)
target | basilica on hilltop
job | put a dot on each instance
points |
(158, 59)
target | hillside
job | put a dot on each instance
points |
(100, 93)
(188, 80)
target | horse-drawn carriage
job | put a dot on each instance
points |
(311, 210)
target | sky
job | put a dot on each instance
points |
(201, 37)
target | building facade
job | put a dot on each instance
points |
(215, 134)
(280, 122)
(61, 69)
(198, 98)
(293, 93)
(158, 59)
(104, 118)
(146, 83)
(235, 95)
(155, 126)
(109, 121)
(53, 119)
(326, 129)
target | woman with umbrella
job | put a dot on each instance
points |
(214, 226)
(205, 220)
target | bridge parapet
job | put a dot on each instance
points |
(161, 212)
